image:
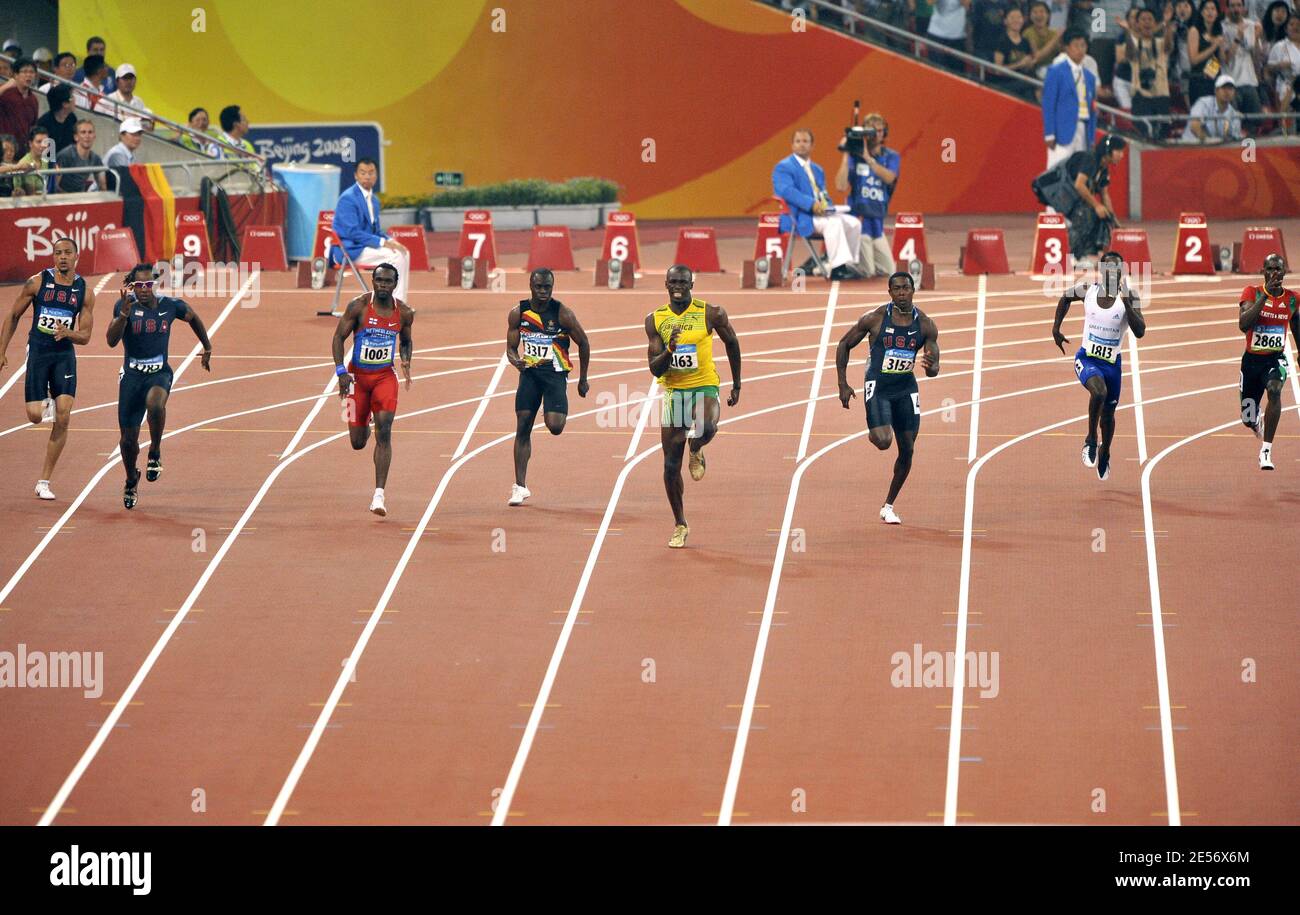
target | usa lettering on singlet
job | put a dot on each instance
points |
(56, 305)
(893, 352)
(374, 344)
(1103, 328)
(148, 332)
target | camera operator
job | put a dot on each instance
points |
(1093, 215)
(869, 172)
(1148, 58)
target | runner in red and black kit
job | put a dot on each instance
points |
(1266, 312)
(62, 315)
(380, 325)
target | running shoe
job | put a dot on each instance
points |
(888, 515)
(377, 504)
(697, 465)
(1266, 458)
(129, 491)
(153, 469)
(518, 494)
(1103, 465)
(43, 490)
(1089, 453)
(678, 539)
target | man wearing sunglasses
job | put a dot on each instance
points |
(143, 322)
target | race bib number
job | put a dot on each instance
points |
(537, 348)
(50, 321)
(147, 366)
(685, 358)
(897, 361)
(1268, 338)
(376, 353)
(1102, 351)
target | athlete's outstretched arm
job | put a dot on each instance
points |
(930, 347)
(569, 321)
(346, 327)
(852, 337)
(659, 356)
(1133, 308)
(1250, 311)
(200, 331)
(25, 296)
(1062, 309)
(405, 345)
(512, 340)
(727, 334)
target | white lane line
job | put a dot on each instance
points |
(1139, 413)
(973, 448)
(963, 598)
(1295, 375)
(482, 406)
(311, 415)
(817, 372)
(648, 403)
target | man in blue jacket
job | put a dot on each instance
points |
(801, 183)
(1069, 102)
(356, 223)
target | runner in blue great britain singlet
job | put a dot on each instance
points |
(900, 337)
(1109, 309)
(62, 316)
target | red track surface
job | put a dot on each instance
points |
(437, 720)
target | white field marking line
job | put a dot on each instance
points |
(216, 325)
(973, 447)
(482, 406)
(330, 386)
(345, 675)
(21, 370)
(1139, 412)
(137, 681)
(817, 372)
(647, 404)
(1295, 376)
(760, 649)
(963, 599)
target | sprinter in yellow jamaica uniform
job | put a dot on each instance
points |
(681, 357)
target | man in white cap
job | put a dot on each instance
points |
(123, 154)
(124, 96)
(1212, 118)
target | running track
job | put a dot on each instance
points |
(271, 645)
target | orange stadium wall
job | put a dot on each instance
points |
(578, 87)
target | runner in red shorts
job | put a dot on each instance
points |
(379, 324)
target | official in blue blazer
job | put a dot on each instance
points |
(356, 223)
(801, 183)
(1067, 127)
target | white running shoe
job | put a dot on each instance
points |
(1265, 458)
(43, 490)
(518, 494)
(47, 411)
(1089, 453)
(888, 516)
(377, 504)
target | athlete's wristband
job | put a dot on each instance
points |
(341, 370)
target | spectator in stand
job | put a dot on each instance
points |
(1044, 39)
(115, 103)
(1212, 118)
(1205, 50)
(38, 144)
(81, 155)
(1289, 105)
(1245, 53)
(921, 11)
(42, 58)
(987, 29)
(65, 67)
(95, 47)
(1069, 102)
(18, 107)
(12, 48)
(123, 154)
(1015, 52)
(1148, 59)
(6, 70)
(1284, 61)
(61, 119)
(1260, 10)
(1274, 22)
(948, 27)
(1183, 19)
(93, 86)
(234, 125)
(8, 164)
(1079, 16)
(198, 122)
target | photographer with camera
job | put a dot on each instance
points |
(1148, 58)
(1093, 215)
(869, 172)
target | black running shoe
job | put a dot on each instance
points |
(129, 493)
(153, 469)
(1103, 466)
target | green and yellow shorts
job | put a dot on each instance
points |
(680, 404)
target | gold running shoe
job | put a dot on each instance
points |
(697, 465)
(678, 539)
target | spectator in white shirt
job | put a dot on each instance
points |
(123, 154)
(92, 86)
(1212, 118)
(1284, 58)
(948, 27)
(1242, 39)
(65, 66)
(114, 103)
